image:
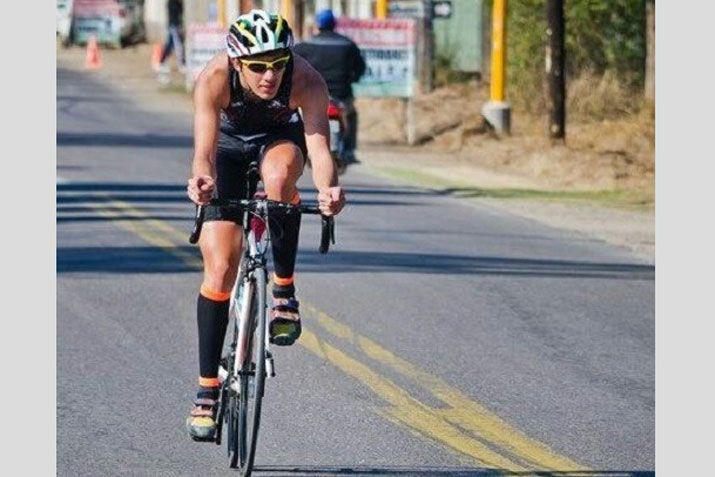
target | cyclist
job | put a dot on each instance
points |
(337, 58)
(246, 104)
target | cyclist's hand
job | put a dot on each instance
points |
(331, 201)
(201, 189)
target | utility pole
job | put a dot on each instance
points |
(555, 73)
(428, 48)
(221, 12)
(497, 111)
(288, 12)
(381, 9)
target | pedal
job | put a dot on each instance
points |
(222, 374)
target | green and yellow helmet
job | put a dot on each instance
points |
(258, 32)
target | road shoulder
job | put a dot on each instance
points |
(595, 214)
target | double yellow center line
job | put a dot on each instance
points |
(461, 424)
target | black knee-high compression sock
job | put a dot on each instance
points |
(212, 319)
(285, 227)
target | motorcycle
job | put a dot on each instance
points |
(338, 130)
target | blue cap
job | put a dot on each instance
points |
(325, 20)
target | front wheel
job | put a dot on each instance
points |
(247, 402)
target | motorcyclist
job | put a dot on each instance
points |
(337, 58)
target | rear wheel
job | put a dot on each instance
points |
(231, 421)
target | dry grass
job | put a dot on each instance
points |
(596, 97)
(382, 121)
(610, 135)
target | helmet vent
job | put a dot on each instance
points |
(258, 32)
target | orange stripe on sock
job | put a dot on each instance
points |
(214, 295)
(208, 382)
(282, 281)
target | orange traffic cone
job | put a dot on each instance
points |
(93, 61)
(156, 56)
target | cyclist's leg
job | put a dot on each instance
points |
(220, 245)
(282, 165)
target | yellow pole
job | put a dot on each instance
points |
(498, 50)
(288, 12)
(221, 12)
(381, 9)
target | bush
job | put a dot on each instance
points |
(602, 36)
(604, 96)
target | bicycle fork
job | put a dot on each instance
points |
(242, 302)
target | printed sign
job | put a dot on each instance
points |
(406, 9)
(388, 47)
(203, 41)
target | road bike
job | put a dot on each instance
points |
(249, 359)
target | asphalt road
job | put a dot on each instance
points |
(442, 337)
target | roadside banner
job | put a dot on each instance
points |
(388, 47)
(203, 41)
(99, 18)
(407, 8)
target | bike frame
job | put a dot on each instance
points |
(256, 245)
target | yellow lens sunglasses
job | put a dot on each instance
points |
(261, 66)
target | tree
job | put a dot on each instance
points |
(650, 49)
(555, 69)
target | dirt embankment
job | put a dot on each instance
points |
(608, 154)
(603, 154)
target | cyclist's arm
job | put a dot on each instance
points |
(207, 107)
(312, 98)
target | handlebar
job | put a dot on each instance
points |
(327, 233)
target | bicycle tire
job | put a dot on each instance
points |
(232, 417)
(251, 400)
(244, 408)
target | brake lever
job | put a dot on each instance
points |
(198, 224)
(327, 233)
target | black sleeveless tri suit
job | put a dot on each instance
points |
(248, 125)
